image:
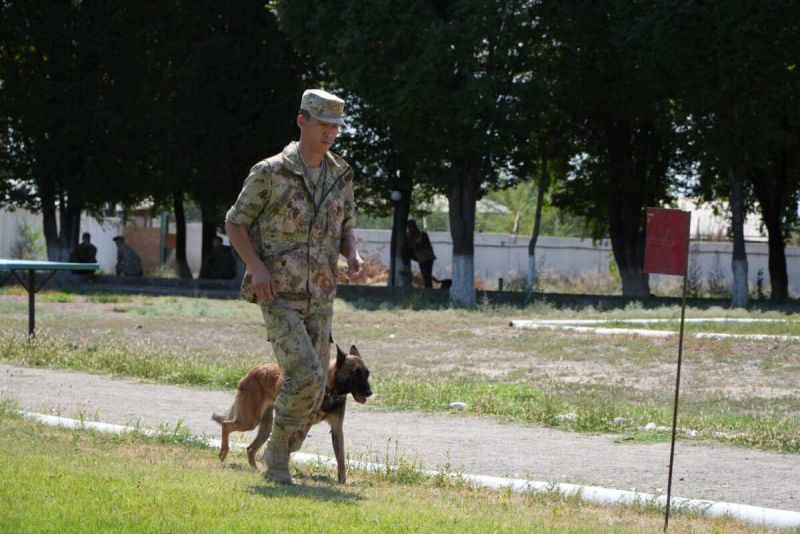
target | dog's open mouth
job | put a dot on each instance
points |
(361, 399)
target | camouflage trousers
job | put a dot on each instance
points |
(300, 333)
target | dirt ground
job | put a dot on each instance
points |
(465, 443)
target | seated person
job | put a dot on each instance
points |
(128, 262)
(85, 252)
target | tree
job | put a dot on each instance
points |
(382, 170)
(619, 126)
(738, 100)
(227, 94)
(444, 95)
(68, 72)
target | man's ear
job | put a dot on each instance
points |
(354, 351)
(341, 356)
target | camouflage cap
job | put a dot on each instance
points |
(323, 106)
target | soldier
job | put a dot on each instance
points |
(128, 262)
(293, 218)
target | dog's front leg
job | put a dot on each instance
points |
(337, 437)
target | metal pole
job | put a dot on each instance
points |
(675, 407)
(31, 302)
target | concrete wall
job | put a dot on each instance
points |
(506, 256)
(496, 255)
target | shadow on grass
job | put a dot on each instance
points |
(301, 489)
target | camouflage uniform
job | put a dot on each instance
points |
(296, 226)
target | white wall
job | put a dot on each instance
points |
(506, 256)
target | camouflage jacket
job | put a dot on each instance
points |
(298, 240)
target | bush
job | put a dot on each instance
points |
(29, 244)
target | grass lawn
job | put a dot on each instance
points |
(738, 391)
(57, 480)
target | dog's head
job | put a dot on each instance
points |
(350, 375)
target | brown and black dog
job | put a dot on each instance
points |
(257, 391)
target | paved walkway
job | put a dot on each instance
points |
(470, 444)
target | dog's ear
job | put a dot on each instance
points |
(354, 351)
(341, 356)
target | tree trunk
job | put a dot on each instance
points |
(181, 264)
(402, 262)
(60, 223)
(49, 222)
(209, 231)
(462, 198)
(739, 291)
(70, 227)
(770, 188)
(778, 275)
(544, 185)
(626, 213)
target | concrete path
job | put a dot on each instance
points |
(469, 444)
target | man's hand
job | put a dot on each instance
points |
(355, 268)
(264, 286)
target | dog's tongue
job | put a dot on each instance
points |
(361, 399)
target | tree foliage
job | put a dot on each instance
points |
(442, 97)
(69, 78)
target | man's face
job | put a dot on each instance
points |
(86, 239)
(316, 134)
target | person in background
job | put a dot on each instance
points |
(85, 252)
(421, 250)
(128, 262)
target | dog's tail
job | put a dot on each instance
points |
(222, 418)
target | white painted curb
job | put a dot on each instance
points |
(577, 325)
(754, 515)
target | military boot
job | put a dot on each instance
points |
(276, 458)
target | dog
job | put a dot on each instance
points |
(257, 391)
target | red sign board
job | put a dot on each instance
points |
(666, 249)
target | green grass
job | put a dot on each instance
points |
(57, 480)
(598, 409)
(140, 360)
